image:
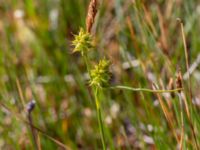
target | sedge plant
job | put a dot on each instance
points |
(100, 74)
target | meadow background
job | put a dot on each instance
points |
(143, 40)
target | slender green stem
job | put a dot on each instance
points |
(189, 76)
(143, 89)
(86, 59)
(182, 121)
(98, 108)
(100, 119)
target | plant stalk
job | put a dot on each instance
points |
(143, 89)
(100, 122)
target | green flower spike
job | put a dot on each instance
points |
(82, 42)
(100, 75)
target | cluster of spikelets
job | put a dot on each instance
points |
(99, 75)
(82, 42)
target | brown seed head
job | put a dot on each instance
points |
(179, 80)
(92, 11)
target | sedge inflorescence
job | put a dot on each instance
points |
(82, 42)
(100, 75)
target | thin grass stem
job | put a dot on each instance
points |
(182, 121)
(86, 60)
(20, 118)
(100, 122)
(189, 81)
(143, 89)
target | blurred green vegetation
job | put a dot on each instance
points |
(144, 43)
